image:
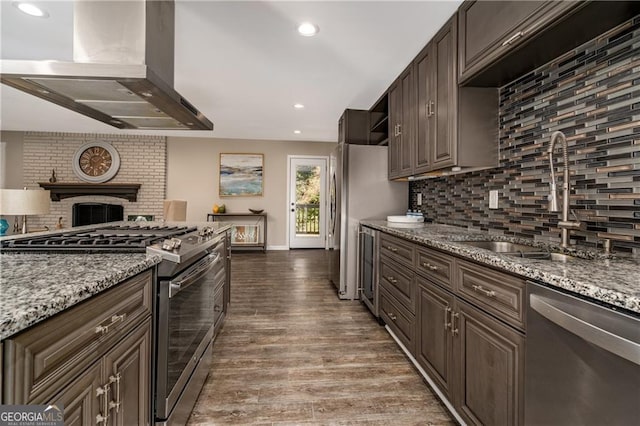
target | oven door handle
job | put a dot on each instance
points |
(201, 269)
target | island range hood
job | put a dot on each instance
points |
(122, 69)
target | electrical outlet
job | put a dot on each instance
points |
(419, 199)
(493, 199)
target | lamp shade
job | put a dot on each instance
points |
(19, 202)
(175, 210)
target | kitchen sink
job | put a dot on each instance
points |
(501, 246)
(519, 250)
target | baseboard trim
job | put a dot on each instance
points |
(277, 247)
(424, 374)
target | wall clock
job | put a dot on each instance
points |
(96, 162)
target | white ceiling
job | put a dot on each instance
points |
(243, 64)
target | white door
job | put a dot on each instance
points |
(307, 206)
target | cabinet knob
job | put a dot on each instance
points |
(392, 280)
(392, 316)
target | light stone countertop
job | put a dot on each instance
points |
(37, 285)
(614, 280)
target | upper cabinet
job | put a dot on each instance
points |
(401, 125)
(353, 127)
(501, 40)
(456, 126)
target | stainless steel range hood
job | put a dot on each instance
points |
(122, 73)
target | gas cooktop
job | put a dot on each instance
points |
(114, 238)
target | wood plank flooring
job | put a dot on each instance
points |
(291, 353)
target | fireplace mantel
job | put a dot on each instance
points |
(60, 191)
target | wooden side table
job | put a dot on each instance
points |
(235, 244)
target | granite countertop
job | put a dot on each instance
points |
(614, 280)
(35, 286)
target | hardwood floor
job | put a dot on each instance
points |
(292, 353)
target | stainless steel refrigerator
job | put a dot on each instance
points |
(359, 189)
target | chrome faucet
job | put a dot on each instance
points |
(565, 224)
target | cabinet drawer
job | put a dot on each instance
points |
(397, 249)
(436, 266)
(500, 294)
(399, 282)
(51, 353)
(401, 322)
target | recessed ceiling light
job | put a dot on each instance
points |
(308, 29)
(298, 106)
(31, 9)
(297, 132)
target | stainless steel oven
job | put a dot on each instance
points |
(186, 318)
(368, 267)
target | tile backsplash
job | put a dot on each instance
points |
(592, 94)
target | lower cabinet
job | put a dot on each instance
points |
(94, 358)
(475, 360)
(470, 345)
(115, 389)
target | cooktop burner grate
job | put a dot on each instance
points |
(107, 238)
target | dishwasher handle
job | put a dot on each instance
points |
(606, 340)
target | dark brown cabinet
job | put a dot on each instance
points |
(95, 358)
(434, 350)
(462, 323)
(401, 127)
(502, 40)
(353, 127)
(437, 94)
(490, 365)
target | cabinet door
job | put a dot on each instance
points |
(82, 405)
(127, 367)
(445, 93)
(407, 122)
(490, 366)
(434, 344)
(425, 101)
(395, 100)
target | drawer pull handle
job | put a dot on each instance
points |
(447, 323)
(103, 392)
(392, 249)
(454, 329)
(115, 404)
(513, 38)
(429, 266)
(481, 290)
(392, 280)
(104, 329)
(217, 308)
(392, 316)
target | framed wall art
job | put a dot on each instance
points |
(241, 175)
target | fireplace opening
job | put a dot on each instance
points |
(92, 213)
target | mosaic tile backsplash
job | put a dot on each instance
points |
(592, 94)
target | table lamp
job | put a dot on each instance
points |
(24, 202)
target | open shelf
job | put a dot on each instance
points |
(379, 121)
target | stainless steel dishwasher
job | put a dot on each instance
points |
(582, 362)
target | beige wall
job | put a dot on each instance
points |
(192, 175)
(12, 163)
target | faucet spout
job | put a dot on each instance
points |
(565, 225)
